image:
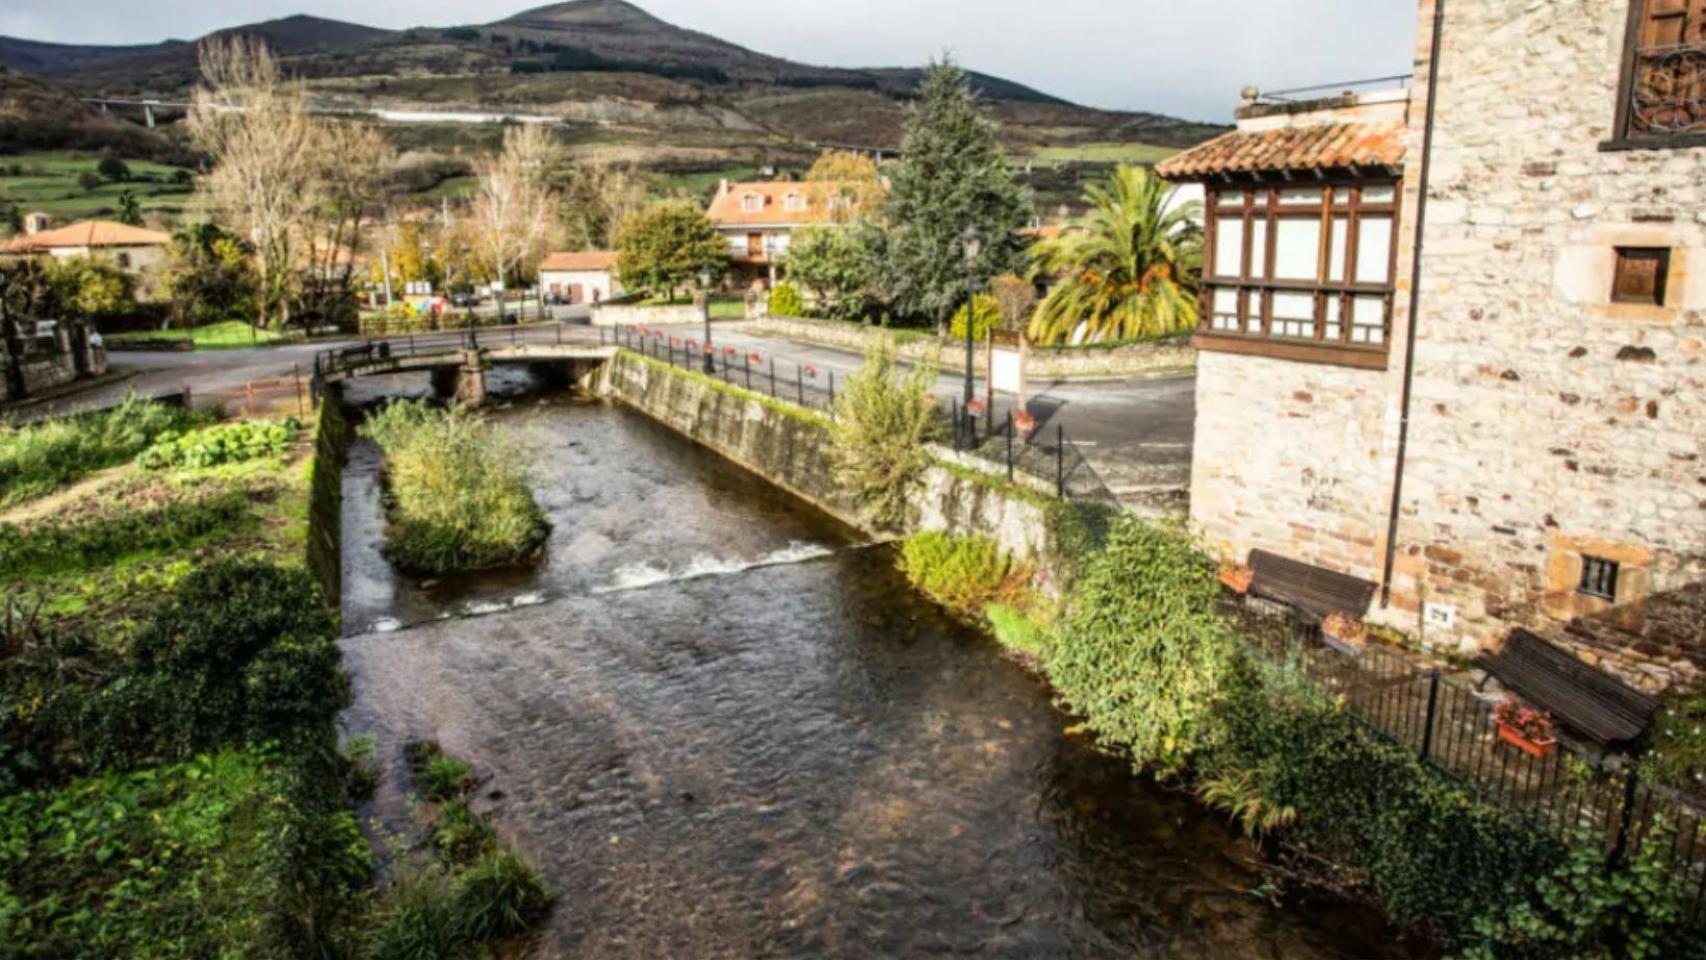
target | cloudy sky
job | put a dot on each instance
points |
(1183, 57)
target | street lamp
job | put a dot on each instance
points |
(705, 307)
(971, 247)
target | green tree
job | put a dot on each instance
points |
(113, 169)
(209, 276)
(89, 181)
(1129, 268)
(129, 211)
(953, 177)
(883, 419)
(667, 246)
(987, 317)
(83, 287)
(840, 265)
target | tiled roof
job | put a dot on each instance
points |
(587, 260)
(1328, 146)
(89, 233)
(769, 202)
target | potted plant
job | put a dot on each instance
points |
(1236, 576)
(1024, 422)
(1525, 728)
(1344, 633)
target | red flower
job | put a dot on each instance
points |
(975, 407)
(692, 344)
(673, 341)
(710, 351)
(754, 357)
(729, 351)
(811, 371)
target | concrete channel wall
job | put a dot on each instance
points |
(791, 447)
(326, 500)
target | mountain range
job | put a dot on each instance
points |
(628, 85)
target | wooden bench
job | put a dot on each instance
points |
(1315, 593)
(1589, 701)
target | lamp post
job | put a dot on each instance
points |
(705, 309)
(971, 247)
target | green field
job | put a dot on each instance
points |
(48, 182)
(1101, 153)
(215, 336)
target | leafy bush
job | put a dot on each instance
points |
(1676, 756)
(501, 896)
(964, 574)
(84, 543)
(1143, 654)
(883, 421)
(39, 458)
(438, 775)
(225, 443)
(459, 496)
(1017, 632)
(986, 318)
(785, 301)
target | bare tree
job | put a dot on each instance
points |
(351, 172)
(513, 201)
(600, 198)
(262, 141)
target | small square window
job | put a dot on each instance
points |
(1599, 578)
(1641, 275)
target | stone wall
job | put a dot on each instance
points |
(1288, 458)
(790, 447)
(1547, 422)
(1046, 363)
(325, 499)
(629, 315)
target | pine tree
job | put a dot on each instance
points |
(952, 176)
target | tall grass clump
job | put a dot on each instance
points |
(39, 458)
(459, 493)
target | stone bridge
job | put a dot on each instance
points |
(459, 370)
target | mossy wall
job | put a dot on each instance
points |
(326, 500)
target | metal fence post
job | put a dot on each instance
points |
(746, 367)
(800, 384)
(1060, 460)
(296, 374)
(1009, 446)
(1624, 821)
(832, 389)
(773, 375)
(1433, 704)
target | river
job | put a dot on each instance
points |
(723, 726)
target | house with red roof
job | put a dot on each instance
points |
(587, 276)
(758, 220)
(134, 249)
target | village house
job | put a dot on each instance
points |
(758, 221)
(585, 277)
(134, 249)
(1522, 443)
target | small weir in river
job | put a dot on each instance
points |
(724, 726)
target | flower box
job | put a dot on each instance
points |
(1534, 748)
(1024, 422)
(1345, 634)
(1237, 577)
(1525, 728)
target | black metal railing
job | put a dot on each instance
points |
(1450, 725)
(802, 384)
(1041, 454)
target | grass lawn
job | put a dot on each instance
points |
(232, 334)
(47, 181)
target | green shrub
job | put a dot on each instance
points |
(1017, 632)
(458, 492)
(39, 458)
(225, 443)
(883, 421)
(57, 546)
(1676, 754)
(1142, 654)
(501, 896)
(964, 574)
(987, 317)
(462, 835)
(785, 301)
(417, 920)
(436, 774)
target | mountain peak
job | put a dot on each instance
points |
(583, 13)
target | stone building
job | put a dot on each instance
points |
(1538, 446)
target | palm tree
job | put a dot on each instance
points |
(1129, 268)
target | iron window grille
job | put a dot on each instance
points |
(1599, 578)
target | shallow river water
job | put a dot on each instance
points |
(724, 727)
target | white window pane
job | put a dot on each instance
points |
(1299, 196)
(1230, 198)
(1341, 194)
(1333, 330)
(1294, 314)
(1297, 249)
(1368, 320)
(1228, 246)
(1259, 248)
(1336, 252)
(1259, 198)
(1377, 194)
(1226, 310)
(1374, 249)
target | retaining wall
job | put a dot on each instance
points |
(610, 315)
(326, 500)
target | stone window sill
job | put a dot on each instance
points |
(1362, 358)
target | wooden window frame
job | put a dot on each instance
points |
(1256, 291)
(1623, 137)
(1626, 255)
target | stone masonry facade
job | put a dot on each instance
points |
(1547, 423)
